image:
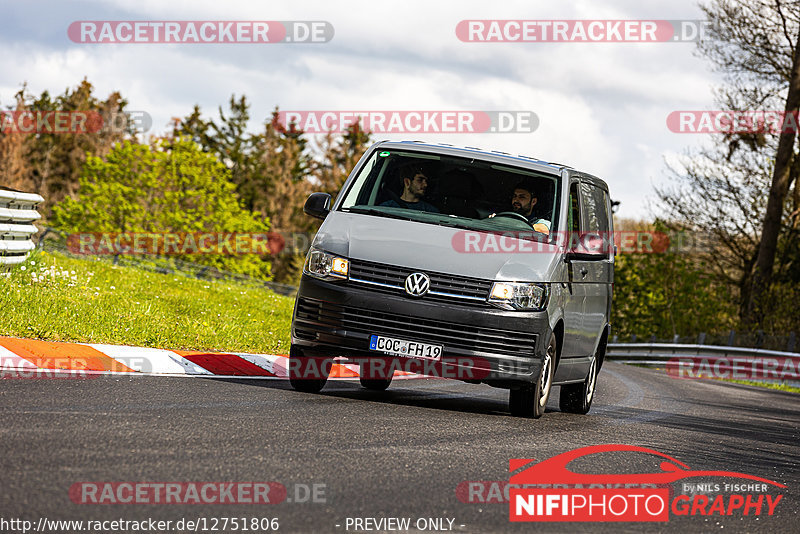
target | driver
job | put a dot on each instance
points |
(523, 201)
(415, 183)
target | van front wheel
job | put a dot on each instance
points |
(307, 374)
(531, 401)
(373, 379)
(577, 398)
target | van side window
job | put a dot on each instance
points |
(595, 208)
(574, 210)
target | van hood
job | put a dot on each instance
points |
(430, 247)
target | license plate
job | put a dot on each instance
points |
(403, 347)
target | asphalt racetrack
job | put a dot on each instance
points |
(395, 454)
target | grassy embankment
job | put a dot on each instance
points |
(58, 298)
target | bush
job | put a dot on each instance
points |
(171, 186)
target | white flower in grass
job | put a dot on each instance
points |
(22, 268)
(112, 287)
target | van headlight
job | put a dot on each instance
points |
(519, 296)
(326, 266)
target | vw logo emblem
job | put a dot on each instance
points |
(417, 284)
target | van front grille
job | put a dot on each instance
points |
(444, 287)
(454, 336)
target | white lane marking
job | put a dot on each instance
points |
(268, 362)
(191, 368)
(150, 361)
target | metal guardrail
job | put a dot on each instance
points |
(17, 213)
(754, 339)
(711, 361)
(662, 352)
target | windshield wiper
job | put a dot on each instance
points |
(379, 213)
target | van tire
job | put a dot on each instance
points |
(307, 374)
(375, 384)
(531, 400)
(374, 377)
(577, 398)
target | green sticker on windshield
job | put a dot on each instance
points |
(383, 154)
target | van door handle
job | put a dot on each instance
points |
(584, 271)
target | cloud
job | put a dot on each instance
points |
(602, 106)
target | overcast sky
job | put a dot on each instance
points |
(602, 106)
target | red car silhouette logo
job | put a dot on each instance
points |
(554, 470)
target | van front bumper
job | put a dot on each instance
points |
(480, 343)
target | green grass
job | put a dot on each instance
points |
(768, 385)
(59, 298)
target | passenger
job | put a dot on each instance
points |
(523, 201)
(415, 183)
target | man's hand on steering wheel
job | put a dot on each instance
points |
(511, 215)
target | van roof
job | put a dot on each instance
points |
(494, 155)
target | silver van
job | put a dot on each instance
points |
(462, 263)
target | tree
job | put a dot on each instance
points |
(285, 163)
(15, 172)
(229, 141)
(719, 198)
(756, 44)
(50, 163)
(718, 190)
(338, 157)
(667, 293)
(275, 170)
(170, 187)
(293, 174)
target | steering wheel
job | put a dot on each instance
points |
(512, 215)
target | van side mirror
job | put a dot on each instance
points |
(318, 205)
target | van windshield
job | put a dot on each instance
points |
(454, 191)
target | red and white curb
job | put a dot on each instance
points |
(31, 357)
